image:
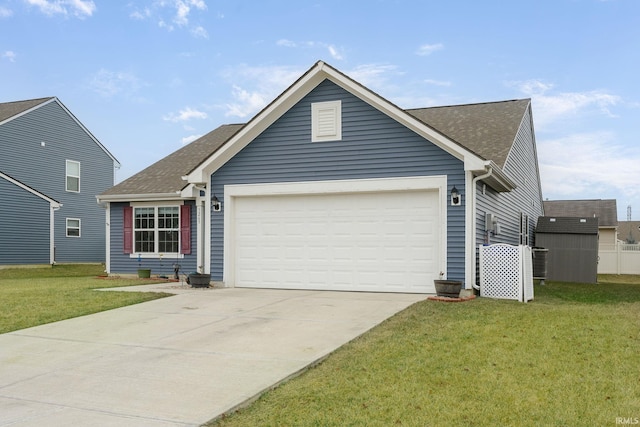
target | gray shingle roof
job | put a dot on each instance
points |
(488, 129)
(629, 230)
(565, 225)
(165, 176)
(10, 109)
(605, 210)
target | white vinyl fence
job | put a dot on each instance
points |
(622, 258)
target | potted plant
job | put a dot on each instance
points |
(447, 288)
(143, 273)
(199, 280)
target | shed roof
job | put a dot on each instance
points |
(605, 210)
(567, 225)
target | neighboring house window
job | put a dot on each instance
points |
(73, 176)
(73, 227)
(326, 121)
(524, 229)
(157, 229)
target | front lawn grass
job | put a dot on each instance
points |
(34, 296)
(568, 358)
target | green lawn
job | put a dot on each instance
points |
(34, 296)
(568, 358)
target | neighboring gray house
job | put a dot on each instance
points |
(51, 168)
(573, 248)
(333, 187)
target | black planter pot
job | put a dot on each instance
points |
(448, 288)
(198, 280)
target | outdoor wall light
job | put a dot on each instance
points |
(215, 204)
(456, 198)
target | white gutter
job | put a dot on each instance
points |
(52, 232)
(107, 217)
(473, 222)
(139, 197)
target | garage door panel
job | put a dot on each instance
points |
(346, 241)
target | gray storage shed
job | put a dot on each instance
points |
(573, 248)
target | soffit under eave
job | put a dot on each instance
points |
(125, 198)
(498, 180)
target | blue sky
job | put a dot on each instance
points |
(146, 77)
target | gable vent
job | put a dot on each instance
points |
(326, 121)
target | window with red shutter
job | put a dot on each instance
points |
(185, 229)
(127, 229)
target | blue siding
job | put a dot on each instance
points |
(373, 146)
(25, 225)
(522, 167)
(43, 168)
(123, 263)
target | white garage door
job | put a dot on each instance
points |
(375, 241)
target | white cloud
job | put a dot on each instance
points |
(428, 49)
(110, 83)
(334, 52)
(189, 139)
(437, 82)
(286, 43)
(5, 13)
(141, 15)
(254, 87)
(373, 75)
(9, 55)
(185, 115)
(180, 13)
(79, 8)
(200, 32)
(553, 108)
(246, 102)
(587, 165)
(183, 9)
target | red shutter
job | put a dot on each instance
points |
(185, 229)
(127, 228)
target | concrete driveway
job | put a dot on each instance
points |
(177, 361)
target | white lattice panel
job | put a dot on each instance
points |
(506, 272)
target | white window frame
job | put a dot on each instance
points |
(69, 227)
(326, 121)
(156, 253)
(69, 175)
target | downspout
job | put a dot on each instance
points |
(473, 222)
(107, 262)
(201, 235)
(52, 233)
(200, 227)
